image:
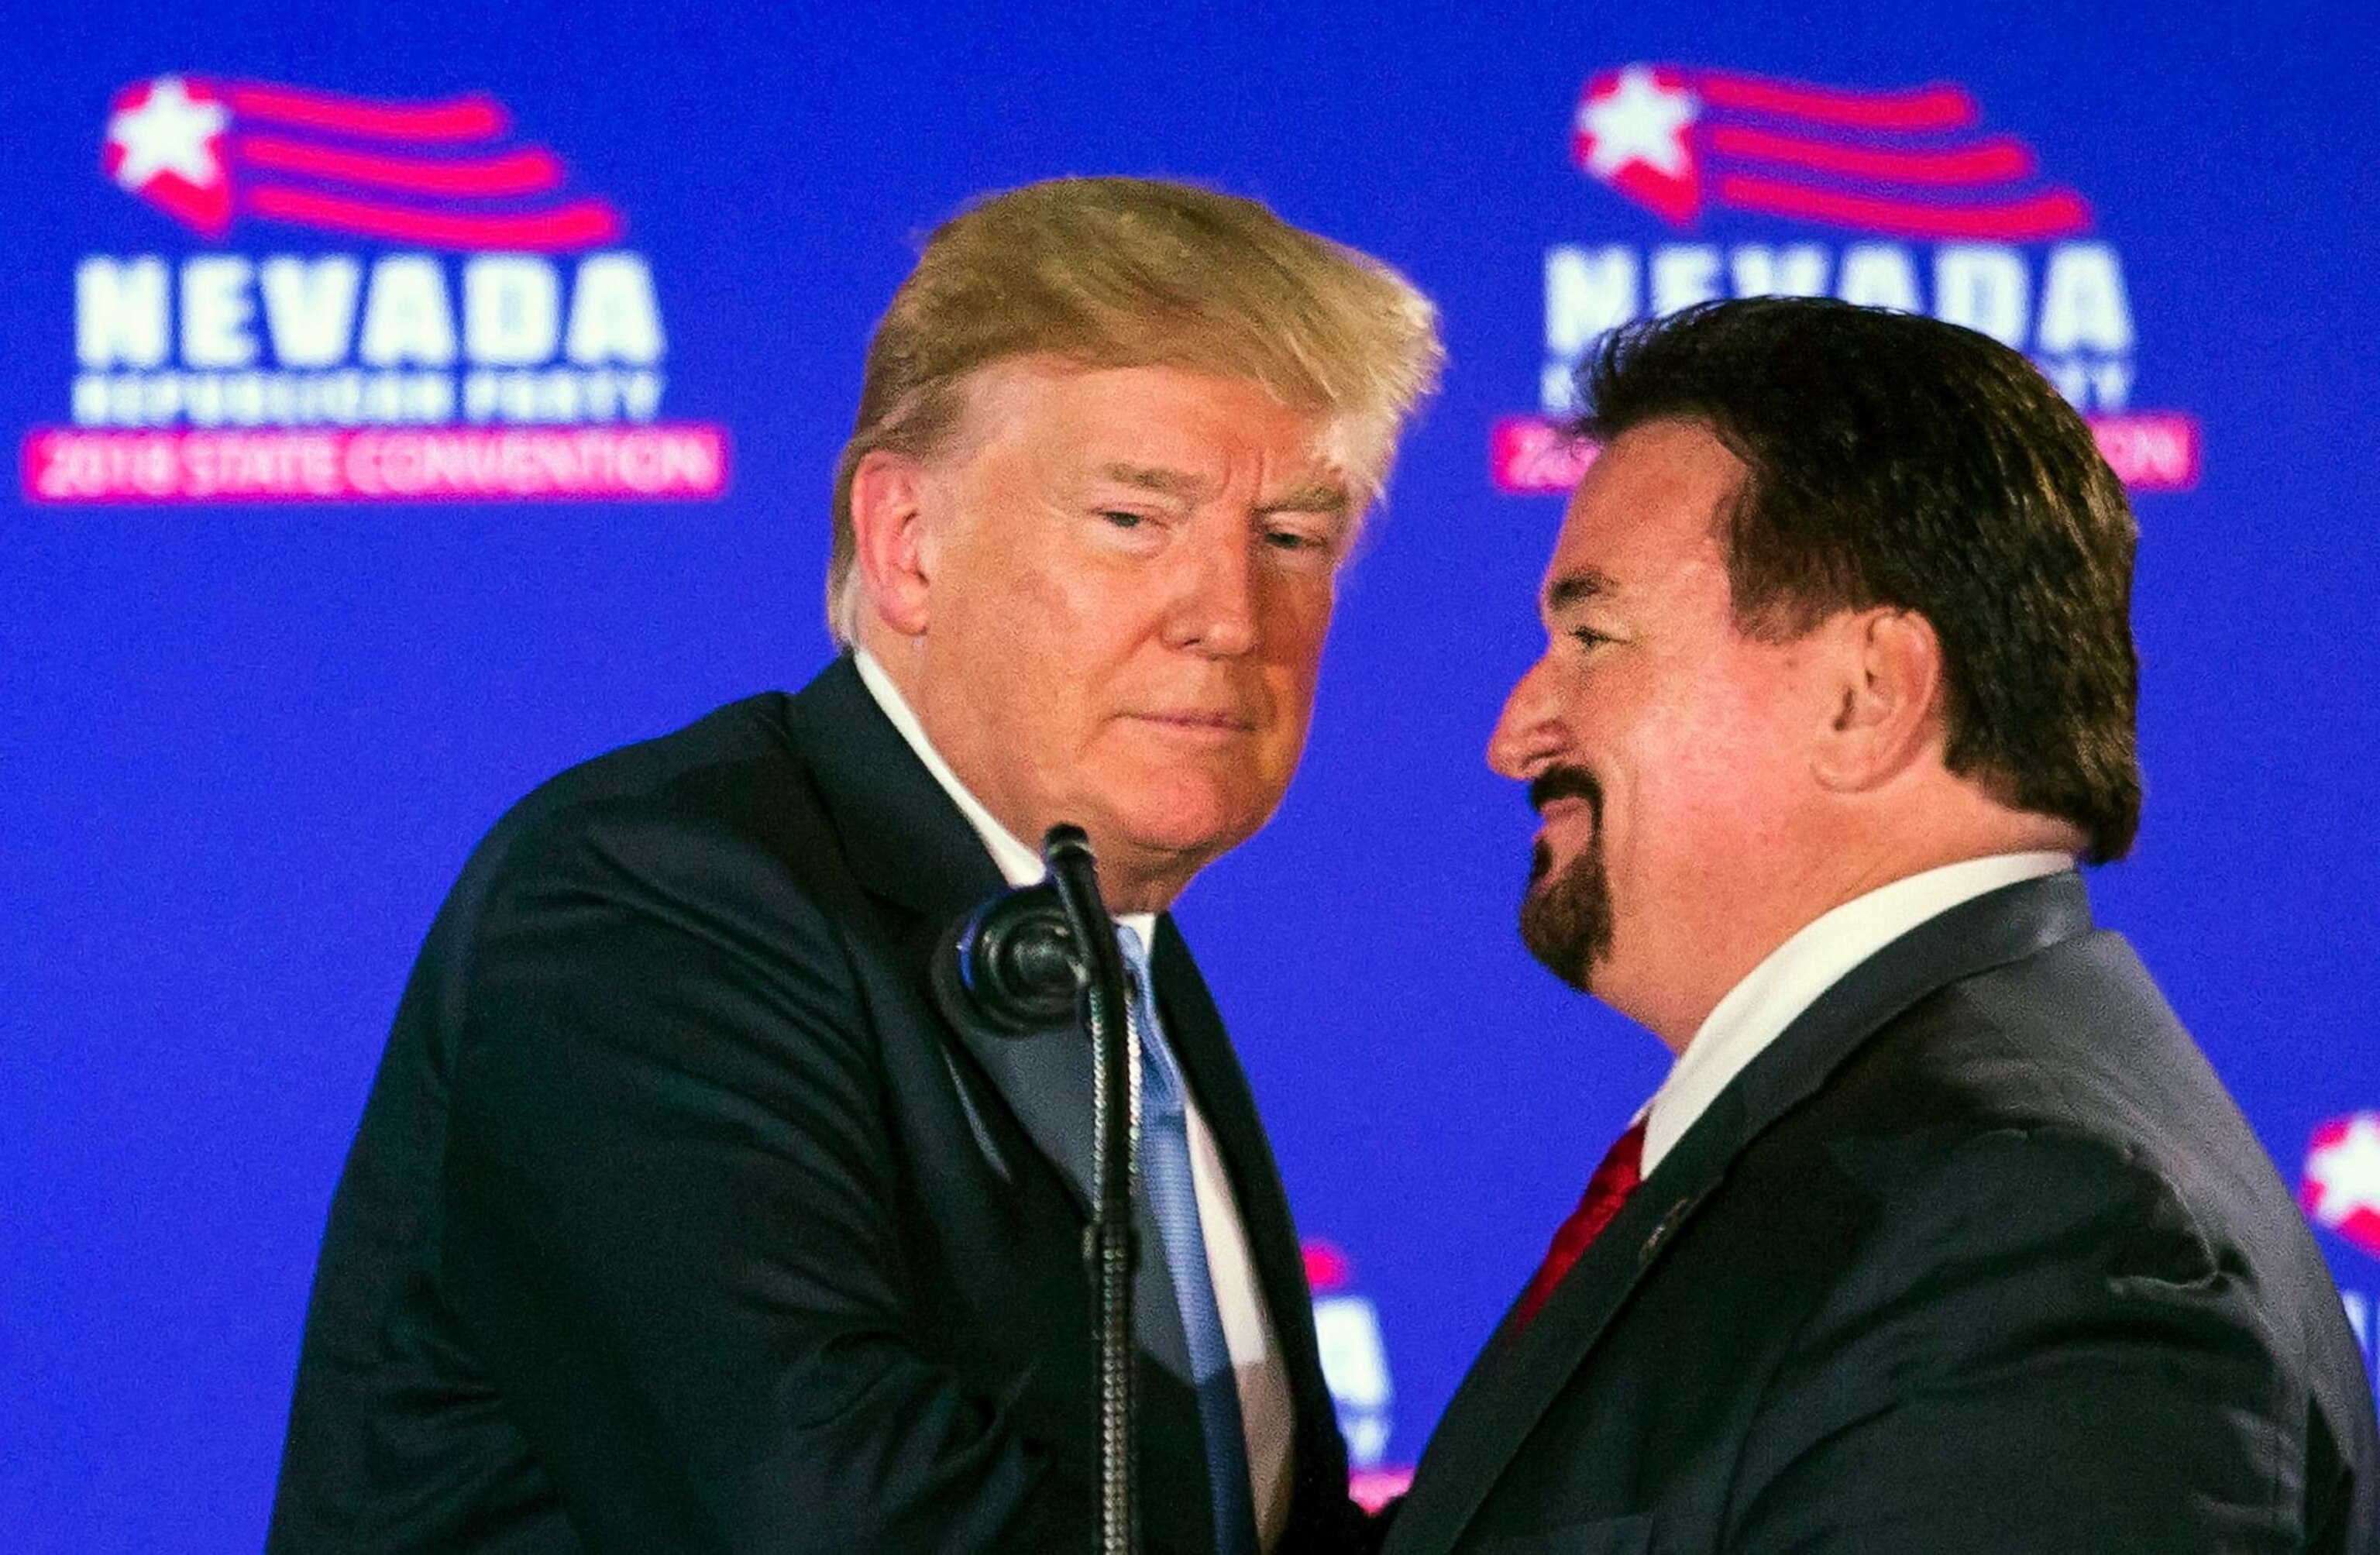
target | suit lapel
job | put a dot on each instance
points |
(909, 845)
(1519, 1374)
(903, 838)
(1521, 1371)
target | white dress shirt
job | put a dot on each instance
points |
(1757, 1009)
(1257, 1365)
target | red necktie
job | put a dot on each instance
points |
(1605, 1192)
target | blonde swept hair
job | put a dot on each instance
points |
(1114, 272)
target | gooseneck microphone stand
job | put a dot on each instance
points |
(1022, 963)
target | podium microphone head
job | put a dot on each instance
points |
(1011, 964)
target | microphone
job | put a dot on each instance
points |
(1015, 962)
(1011, 962)
(1042, 959)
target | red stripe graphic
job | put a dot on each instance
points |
(580, 224)
(1680, 141)
(526, 171)
(1984, 160)
(2058, 213)
(439, 176)
(1940, 106)
(474, 116)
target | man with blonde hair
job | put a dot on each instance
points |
(680, 1217)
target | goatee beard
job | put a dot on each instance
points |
(1566, 915)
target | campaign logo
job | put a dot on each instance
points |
(494, 341)
(1899, 198)
(2342, 1191)
(1908, 164)
(1356, 1366)
(408, 173)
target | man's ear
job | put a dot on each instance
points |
(890, 550)
(1886, 697)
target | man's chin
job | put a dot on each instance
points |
(1166, 842)
(1189, 812)
(1553, 950)
(1566, 917)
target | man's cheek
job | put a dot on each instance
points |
(1300, 630)
(1054, 602)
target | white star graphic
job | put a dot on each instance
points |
(1637, 120)
(168, 134)
(2347, 1174)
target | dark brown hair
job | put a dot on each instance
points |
(1897, 460)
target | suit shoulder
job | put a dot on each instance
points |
(2056, 1109)
(750, 736)
(2010, 1287)
(721, 812)
(737, 771)
(2076, 1038)
(2054, 1103)
(697, 876)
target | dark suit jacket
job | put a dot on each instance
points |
(680, 1220)
(1979, 1256)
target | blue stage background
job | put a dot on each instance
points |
(244, 748)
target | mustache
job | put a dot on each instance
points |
(1567, 783)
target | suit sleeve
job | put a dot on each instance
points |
(671, 1219)
(2037, 1352)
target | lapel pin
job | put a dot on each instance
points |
(1670, 1222)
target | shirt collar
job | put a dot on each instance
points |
(1757, 1011)
(1019, 865)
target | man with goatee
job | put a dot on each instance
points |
(1941, 1235)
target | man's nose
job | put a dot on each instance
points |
(1215, 606)
(1528, 733)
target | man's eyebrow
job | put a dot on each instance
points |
(1153, 477)
(1321, 496)
(1575, 588)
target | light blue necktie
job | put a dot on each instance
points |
(1166, 1178)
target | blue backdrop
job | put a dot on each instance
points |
(247, 745)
